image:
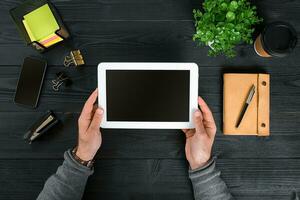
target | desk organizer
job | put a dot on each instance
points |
(28, 6)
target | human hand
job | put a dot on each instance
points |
(89, 135)
(199, 141)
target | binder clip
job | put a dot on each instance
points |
(41, 126)
(74, 58)
(61, 78)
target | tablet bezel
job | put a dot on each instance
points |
(193, 104)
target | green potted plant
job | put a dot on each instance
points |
(225, 24)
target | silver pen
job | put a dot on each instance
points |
(245, 107)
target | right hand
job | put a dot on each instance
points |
(199, 141)
(89, 136)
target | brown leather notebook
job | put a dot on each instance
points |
(256, 120)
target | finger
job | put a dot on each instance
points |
(188, 132)
(198, 121)
(87, 111)
(185, 130)
(95, 106)
(89, 104)
(207, 116)
(97, 118)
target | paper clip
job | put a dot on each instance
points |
(75, 58)
(61, 78)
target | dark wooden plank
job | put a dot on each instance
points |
(118, 10)
(156, 178)
(265, 177)
(153, 10)
(285, 83)
(284, 90)
(283, 123)
(136, 41)
(138, 143)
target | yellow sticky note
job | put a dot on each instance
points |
(30, 34)
(41, 22)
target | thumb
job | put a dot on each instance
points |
(97, 118)
(198, 121)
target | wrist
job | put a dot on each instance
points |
(85, 155)
(199, 164)
(206, 167)
(87, 163)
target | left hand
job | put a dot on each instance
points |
(199, 141)
(89, 136)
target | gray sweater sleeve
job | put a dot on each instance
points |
(207, 183)
(69, 181)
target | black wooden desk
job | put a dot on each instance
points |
(147, 164)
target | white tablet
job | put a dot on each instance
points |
(148, 95)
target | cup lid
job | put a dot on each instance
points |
(279, 39)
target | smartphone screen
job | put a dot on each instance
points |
(30, 82)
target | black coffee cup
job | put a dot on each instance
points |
(278, 39)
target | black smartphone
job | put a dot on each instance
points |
(30, 82)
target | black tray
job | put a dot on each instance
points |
(28, 6)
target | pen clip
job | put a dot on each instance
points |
(251, 94)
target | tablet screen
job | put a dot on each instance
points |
(148, 95)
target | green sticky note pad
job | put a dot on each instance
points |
(41, 22)
(31, 36)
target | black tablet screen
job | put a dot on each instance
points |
(148, 95)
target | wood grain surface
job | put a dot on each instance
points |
(147, 164)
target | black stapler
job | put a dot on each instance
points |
(41, 126)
